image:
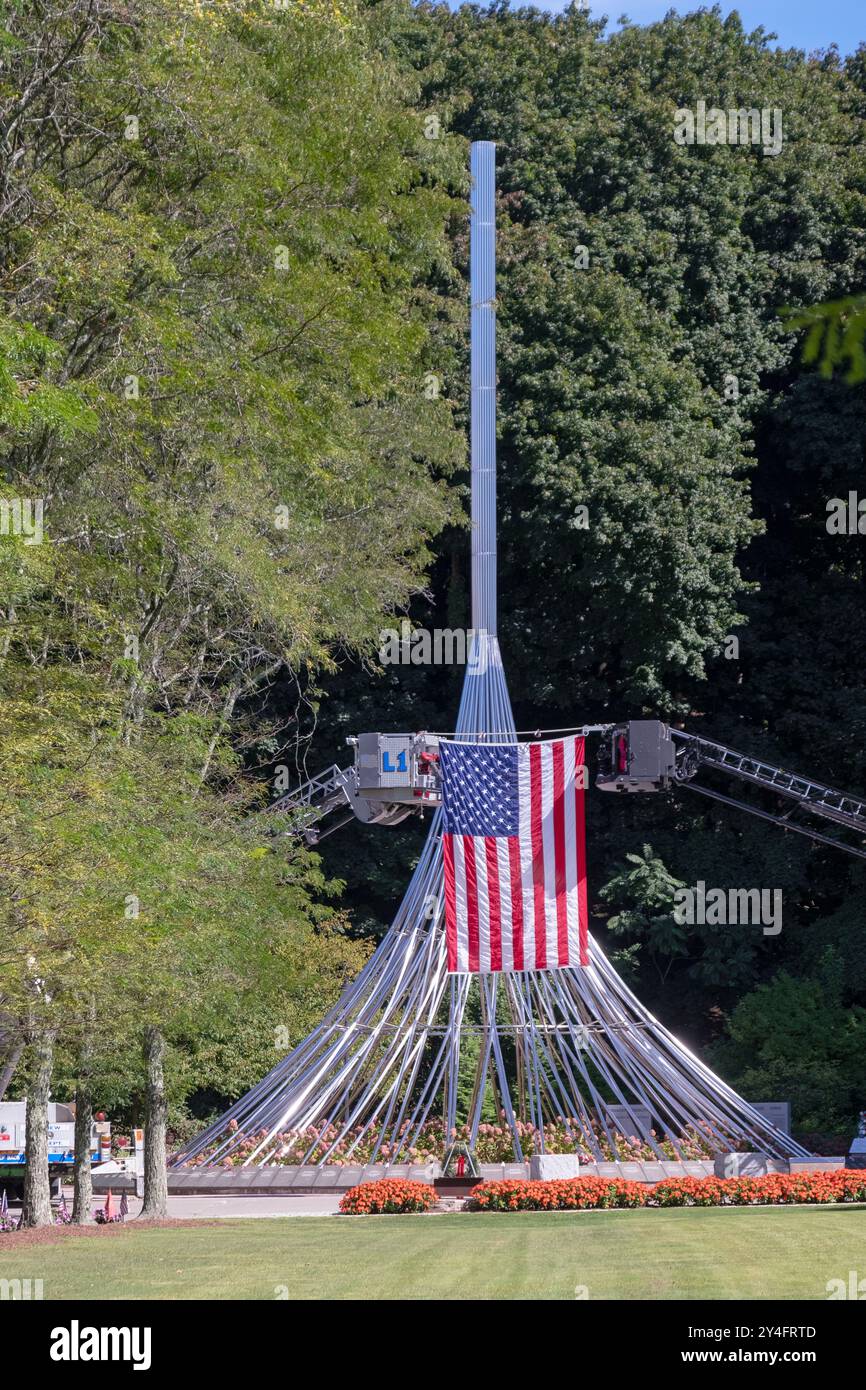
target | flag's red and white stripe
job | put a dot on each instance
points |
(519, 903)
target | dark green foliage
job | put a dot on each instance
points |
(706, 505)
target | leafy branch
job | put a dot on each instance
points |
(835, 335)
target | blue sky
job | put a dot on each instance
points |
(807, 24)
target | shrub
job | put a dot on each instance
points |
(576, 1194)
(560, 1194)
(389, 1195)
(775, 1189)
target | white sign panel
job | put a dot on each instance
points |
(61, 1137)
(11, 1138)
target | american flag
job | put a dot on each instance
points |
(514, 846)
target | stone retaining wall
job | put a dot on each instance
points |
(306, 1178)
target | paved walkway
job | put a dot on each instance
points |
(215, 1208)
(321, 1204)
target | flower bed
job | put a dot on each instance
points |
(388, 1196)
(560, 1194)
(576, 1194)
(494, 1143)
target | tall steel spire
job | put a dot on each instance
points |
(482, 282)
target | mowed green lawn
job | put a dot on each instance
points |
(733, 1254)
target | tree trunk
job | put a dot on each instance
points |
(83, 1123)
(37, 1188)
(7, 1071)
(155, 1174)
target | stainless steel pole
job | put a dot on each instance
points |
(482, 280)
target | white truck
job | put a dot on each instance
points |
(61, 1142)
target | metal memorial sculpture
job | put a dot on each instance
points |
(564, 1055)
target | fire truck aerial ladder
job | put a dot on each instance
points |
(648, 756)
(397, 775)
